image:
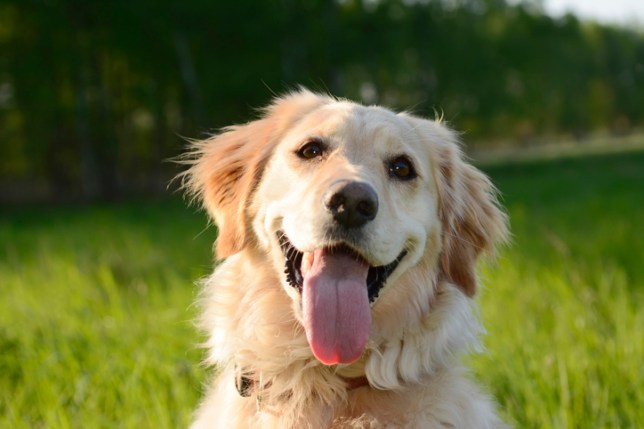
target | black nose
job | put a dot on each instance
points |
(352, 204)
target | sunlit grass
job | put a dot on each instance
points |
(96, 318)
(96, 306)
(563, 303)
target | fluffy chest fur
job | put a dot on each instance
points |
(413, 370)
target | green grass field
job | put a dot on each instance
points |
(96, 305)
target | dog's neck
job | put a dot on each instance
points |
(249, 383)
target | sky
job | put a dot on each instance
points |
(606, 11)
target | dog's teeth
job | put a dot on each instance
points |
(307, 262)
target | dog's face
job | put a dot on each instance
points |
(349, 198)
(344, 200)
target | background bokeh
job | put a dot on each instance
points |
(95, 96)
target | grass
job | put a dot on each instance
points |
(563, 305)
(96, 316)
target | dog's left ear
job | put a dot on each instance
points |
(471, 218)
(470, 214)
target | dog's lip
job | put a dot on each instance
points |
(376, 277)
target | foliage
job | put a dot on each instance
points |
(93, 95)
(95, 319)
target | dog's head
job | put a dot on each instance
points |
(345, 199)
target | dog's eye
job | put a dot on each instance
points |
(402, 168)
(310, 150)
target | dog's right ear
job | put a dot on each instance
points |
(226, 168)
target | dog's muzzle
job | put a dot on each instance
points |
(376, 277)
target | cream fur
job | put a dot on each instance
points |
(424, 319)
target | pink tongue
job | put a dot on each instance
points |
(337, 317)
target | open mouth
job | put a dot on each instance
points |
(376, 276)
(337, 286)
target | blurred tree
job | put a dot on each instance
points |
(95, 95)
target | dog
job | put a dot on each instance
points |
(348, 237)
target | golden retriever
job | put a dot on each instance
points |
(349, 237)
